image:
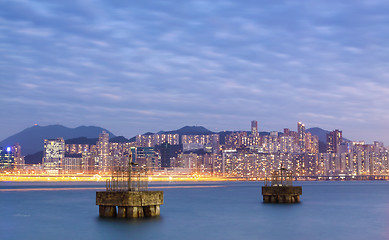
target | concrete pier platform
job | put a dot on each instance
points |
(281, 194)
(127, 204)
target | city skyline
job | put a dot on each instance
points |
(139, 67)
(253, 130)
(240, 154)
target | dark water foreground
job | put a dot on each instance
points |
(329, 210)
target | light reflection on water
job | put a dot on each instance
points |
(95, 188)
(329, 210)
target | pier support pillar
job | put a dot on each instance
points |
(132, 212)
(151, 211)
(157, 210)
(122, 212)
(135, 212)
(107, 211)
(281, 194)
(136, 204)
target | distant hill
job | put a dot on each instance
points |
(321, 133)
(34, 158)
(322, 147)
(92, 141)
(222, 136)
(119, 139)
(82, 140)
(190, 130)
(133, 139)
(148, 133)
(31, 139)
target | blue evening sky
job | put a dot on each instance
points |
(138, 66)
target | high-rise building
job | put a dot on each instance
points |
(17, 153)
(146, 156)
(254, 128)
(334, 139)
(165, 155)
(152, 140)
(6, 159)
(102, 152)
(53, 154)
(235, 139)
(286, 132)
(76, 148)
(190, 161)
(209, 140)
(72, 163)
(167, 151)
(301, 135)
(16, 150)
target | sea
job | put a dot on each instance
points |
(204, 210)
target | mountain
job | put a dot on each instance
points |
(222, 136)
(150, 133)
(322, 147)
(92, 141)
(133, 139)
(35, 158)
(321, 133)
(190, 130)
(31, 139)
(82, 140)
(119, 139)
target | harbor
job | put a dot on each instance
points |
(215, 210)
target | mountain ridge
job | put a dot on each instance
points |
(31, 139)
(319, 132)
(190, 130)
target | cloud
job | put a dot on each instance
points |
(219, 62)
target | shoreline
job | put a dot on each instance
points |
(101, 179)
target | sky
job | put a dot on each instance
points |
(138, 66)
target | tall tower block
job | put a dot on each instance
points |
(254, 128)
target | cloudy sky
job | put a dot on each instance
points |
(138, 66)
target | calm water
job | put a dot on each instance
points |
(329, 210)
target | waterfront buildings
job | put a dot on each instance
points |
(247, 154)
(334, 139)
(151, 140)
(243, 154)
(254, 128)
(18, 158)
(211, 140)
(103, 158)
(6, 159)
(53, 154)
(72, 163)
(301, 135)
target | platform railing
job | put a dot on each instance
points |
(133, 178)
